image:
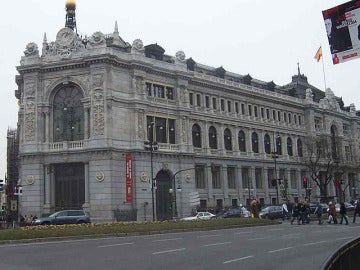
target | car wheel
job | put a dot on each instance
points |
(46, 223)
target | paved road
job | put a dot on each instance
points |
(278, 247)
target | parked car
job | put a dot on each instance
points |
(200, 216)
(234, 212)
(271, 212)
(64, 217)
(349, 207)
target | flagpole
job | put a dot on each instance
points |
(322, 60)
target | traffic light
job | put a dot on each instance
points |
(305, 182)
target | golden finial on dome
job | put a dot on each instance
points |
(70, 4)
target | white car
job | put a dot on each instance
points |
(200, 216)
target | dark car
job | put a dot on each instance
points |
(64, 217)
(313, 207)
(271, 212)
(234, 212)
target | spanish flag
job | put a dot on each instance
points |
(318, 54)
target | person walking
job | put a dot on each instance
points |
(332, 213)
(318, 212)
(285, 211)
(295, 213)
(343, 213)
(356, 210)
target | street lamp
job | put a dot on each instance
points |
(274, 155)
(152, 146)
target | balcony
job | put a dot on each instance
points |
(68, 145)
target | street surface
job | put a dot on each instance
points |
(282, 246)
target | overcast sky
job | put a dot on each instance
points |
(263, 38)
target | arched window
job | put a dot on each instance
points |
(68, 114)
(278, 145)
(242, 141)
(300, 148)
(289, 146)
(212, 138)
(196, 135)
(267, 144)
(227, 139)
(333, 132)
(255, 142)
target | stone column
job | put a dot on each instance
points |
(48, 172)
(86, 205)
(266, 185)
(209, 182)
(224, 176)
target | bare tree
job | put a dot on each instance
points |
(322, 161)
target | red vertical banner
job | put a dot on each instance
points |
(129, 192)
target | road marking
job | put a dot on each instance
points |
(217, 244)
(208, 235)
(344, 238)
(259, 238)
(239, 259)
(276, 229)
(169, 239)
(315, 243)
(280, 249)
(168, 251)
(243, 232)
(114, 245)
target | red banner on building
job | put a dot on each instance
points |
(129, 192)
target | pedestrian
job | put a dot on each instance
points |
(254, 209)
(356, 210)
(285, 211)
(295, 213)
(332, 213)
(318, 212)
(343, 213)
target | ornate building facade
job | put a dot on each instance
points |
(87, 106)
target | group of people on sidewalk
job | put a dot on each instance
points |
(301, 213)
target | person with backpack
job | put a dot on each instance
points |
(332, 213)
(318, 212)
(343, 213)
(296, 213)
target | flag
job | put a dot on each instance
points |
(318, 54)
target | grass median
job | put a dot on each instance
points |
(125, 228)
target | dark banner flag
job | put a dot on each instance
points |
(343, 31)
(129, 192)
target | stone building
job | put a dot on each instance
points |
(89, 105)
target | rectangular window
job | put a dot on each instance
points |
(229, 105)
(295, 119)
(231, 177)
(262, 113)
(191, 99)
(148, 89)
(249, 110)
(258, 178)
(282, 174)
(236, 107)
(271, 176)
(216, 180)
(289, 116)
(285, 117)
(160, 130)
(317, 123)
(293, 182)
(256, 111)
(267, 114)
(159, 91)
(279, 116)
(242, 108)
(274, 114)
(245, 178)
(299, 118)
(222, 104)
(207, 102)
(200, 176)
(214, 103)
(198, 100)
(170, 93)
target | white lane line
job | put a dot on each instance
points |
(315, 243)
(239, 259)
(280, 249)
(169, 239)
(243, 232)
(114, 245)
(168, 251)
(275, 229)
(344, 238)
(291, 234)
(258, 238)
(208, 235)
(217, 244)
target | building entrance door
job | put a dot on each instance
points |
(163, 197)
(69, 186)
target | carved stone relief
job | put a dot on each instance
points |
(98, 104)
(98, 81)
(183, 129)
(140, 125)
(31, 49)
(139, 85)
(30, 121)
(30, 89)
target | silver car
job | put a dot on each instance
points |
(64, 217)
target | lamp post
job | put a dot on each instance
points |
(275, 156)
(152, 146)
